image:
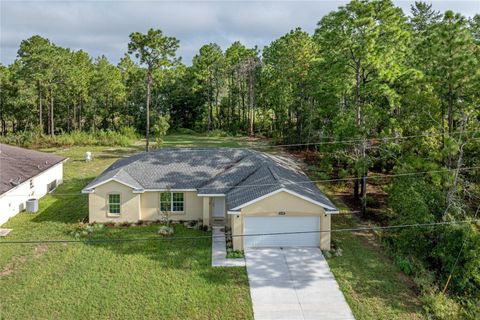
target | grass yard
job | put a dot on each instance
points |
(373, 286)
(160, 279)
(128, 280)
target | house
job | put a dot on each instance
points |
(26, 174)
(249, 191)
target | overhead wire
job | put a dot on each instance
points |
(372, 228)
(414, 173)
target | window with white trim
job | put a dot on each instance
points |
(172, 201)
(114, 204)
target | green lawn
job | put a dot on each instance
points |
(131, 280)
(159, 279)
(373, 286)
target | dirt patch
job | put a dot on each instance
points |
(40, 250)
(22, 260)
(12, 266)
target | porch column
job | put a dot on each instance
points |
(206, 211)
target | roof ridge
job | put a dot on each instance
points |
(128, 174)
(228, 167)
(276, 176)
(242, 180)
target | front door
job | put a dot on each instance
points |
(218, 207)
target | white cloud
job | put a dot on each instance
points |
(103, 27)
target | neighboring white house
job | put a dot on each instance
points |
(26, 174)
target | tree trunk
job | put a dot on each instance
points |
(68, 117)
(251, 103)
(358, 122)
(52, 125)
(355, 188)
(74, 117)
(450, 121)
(147, 129)
(40, 108)
(79, 115)
(364, 180)
(217, 107)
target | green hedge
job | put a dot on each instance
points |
(123, 138)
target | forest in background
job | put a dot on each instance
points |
(371, 90)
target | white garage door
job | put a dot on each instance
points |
(268, 225)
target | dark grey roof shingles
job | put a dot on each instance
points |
(18, 165)
(242, 174)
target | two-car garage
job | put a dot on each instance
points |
(281, 219)
(281, 231)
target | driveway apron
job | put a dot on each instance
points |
(293, 283)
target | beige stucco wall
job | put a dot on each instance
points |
(150, 207)
(288, 203)
(138, 206)
(97, 203)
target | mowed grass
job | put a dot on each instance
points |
(373, 286)
(197, 140)
(371, 283)
(161, 279)
(118, 280)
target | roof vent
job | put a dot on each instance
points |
(15, 183)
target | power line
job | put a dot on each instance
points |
(414, 225)
(311, 181)
(425, 135)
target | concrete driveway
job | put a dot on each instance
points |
(293, 283)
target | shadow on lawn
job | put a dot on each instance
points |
(190, 255)
(66, 204)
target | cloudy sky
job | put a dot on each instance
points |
(102, 27)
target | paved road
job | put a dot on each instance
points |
(293, 283)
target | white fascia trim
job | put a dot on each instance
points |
(211, 195)
(233, 212)
(87, 191)
(287, 191)
(108, 180)
(332, 212)
(172, 190)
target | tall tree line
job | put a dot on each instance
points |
(368, 71)
(355, 90)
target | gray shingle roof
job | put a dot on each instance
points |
(18, 165)
(242, 175)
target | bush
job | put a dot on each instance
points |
(185, 131)
(441, 307)
(85, 229)
(235, 254)
(129, 132)
(161, 126)
(166, 231)
(218, 133)
(404, 264)
(122, 138)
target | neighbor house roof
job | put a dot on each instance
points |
(18, 165)
(242, 175)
